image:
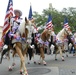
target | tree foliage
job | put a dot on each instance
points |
(57, 17)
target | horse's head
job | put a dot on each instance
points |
(45, 35)
(29, 25)
(68, 31)
(27, 28)
(74, 35)
(52, 31)
(29, 22)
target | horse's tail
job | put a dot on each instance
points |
(5, 49)
(30, 53)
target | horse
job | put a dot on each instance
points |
(59, 44)
(73, 42)
(21, 45)
(30, 38)
(41, 43)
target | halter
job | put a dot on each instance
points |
(66, 31)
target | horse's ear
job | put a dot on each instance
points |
(33, 20)
(26, 20)
(49, 31)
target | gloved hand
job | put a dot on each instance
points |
(16, 22)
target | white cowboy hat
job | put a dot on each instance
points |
(18, 11)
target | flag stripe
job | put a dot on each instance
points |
(66, 25)
(49, 24)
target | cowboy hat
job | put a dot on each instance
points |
(18, 12)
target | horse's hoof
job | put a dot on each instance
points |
(10, 69)
(39, 63)
(73, 54)
(34, 62)
(21, 72)
(66, 55)
(62, 59)
(13, 64)
(62, 56)
(24, 73)
(56, 59)
(44, 64)
(28, 62)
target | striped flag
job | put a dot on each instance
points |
(30, 13)
(49, 24)
(30, 17)
(66, 25)
(9, 14)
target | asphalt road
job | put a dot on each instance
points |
(59, 67)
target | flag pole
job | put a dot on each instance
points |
(50, 8)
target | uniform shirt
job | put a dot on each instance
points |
(15, 22)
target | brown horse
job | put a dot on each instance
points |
(20, 47)
(42, 43)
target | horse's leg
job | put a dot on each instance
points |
(74, 54)
(31, 55)
(56, 54)
(66, 50)
(18, 50)
(21, 68)
(42, 55)
(33, 58)
(4, 51)
(61, 53)
(26, 53)
(13, 55)
(8, 58)
(11, 66)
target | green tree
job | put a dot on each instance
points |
(57, 17)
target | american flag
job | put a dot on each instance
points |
(49, 24)
(30, 17)
(9, 14)
(66, 25)
(30, 13)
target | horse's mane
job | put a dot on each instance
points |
(60, 33)
(22, 28)
(45, 35)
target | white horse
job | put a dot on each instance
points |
(60, 41)
(31, 30)
(73, 40)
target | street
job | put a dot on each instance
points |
(59, 67)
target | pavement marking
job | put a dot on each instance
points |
(32, 71)
(63, 65)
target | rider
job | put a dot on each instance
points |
(16, 20)
(15, 23)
